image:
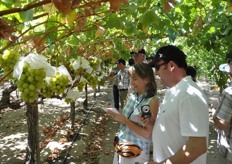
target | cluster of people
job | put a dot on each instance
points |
(121, 77)
(178, 126)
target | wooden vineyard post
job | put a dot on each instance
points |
(85, 103)
(72, 114)
(32, 150)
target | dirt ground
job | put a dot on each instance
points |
(90, 143)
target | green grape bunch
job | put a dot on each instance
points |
(59, 83)
(8, 60)
(46, 90)
(81, 85)
(94, 63)
(92, 81)
(68, 100)
(29, 83)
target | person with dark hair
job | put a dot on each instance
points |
(180, 133)
(132, 53)
(131, 127)
(223, 119)
(229, 57)
(131, 62)
(226, 68)
(123, 81)
(191, 71)
(229, 60)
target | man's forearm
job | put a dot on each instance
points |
(195, 147)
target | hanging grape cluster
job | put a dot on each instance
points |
(31, 80)
(59, 83)
(81, 85)
(94, 80)
(8, 60)
(88, 72)
(79, 74)
(46, 90)
(55, 85)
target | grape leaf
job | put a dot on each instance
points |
(27, 15)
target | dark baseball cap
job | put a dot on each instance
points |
(121, 61)
(171, 53)
(141, 51)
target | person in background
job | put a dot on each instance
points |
(140, 56)
(131, 62)
(131, 128)
(113, 77)
(191, 71)
(223, 119)
(116, 93)
(229, 59)
(123, 80)
(149, 59)
(229, 56)
(180, 133)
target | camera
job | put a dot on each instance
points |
(145, 111)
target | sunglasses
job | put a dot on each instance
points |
(157, 67)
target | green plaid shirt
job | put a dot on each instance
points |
(224, 113)
(132, 110)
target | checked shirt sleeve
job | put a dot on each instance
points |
(224, 111)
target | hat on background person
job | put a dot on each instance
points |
(131, 61)
(141, 51)
(121, 61)
(132, 53)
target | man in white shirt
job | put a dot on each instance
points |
(180, 133)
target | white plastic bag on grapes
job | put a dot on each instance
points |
(73, 94)
(36, 61)
(83, 79)
(82, 62)
(63, 71)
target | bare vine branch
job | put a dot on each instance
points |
(25, 8)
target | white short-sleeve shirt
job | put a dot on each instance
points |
(183, 113)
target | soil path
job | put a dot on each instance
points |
(94, 131)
